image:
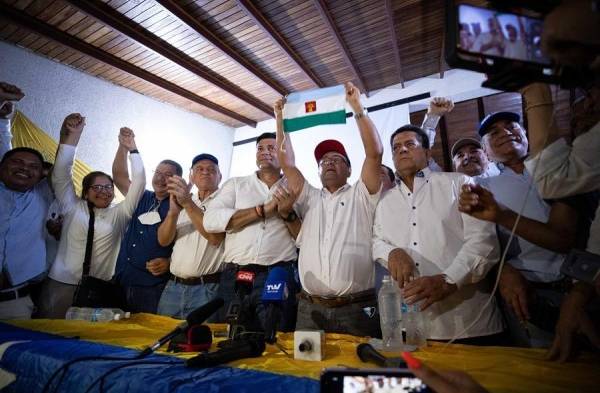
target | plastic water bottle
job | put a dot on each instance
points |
(94, 314)
(389, 301)
(414, 324)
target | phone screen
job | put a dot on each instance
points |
(371, 381)
(491, 33)
(383, 383)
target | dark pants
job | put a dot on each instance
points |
(143, 299)
(538, 331)
(358, 319)
(253, 309)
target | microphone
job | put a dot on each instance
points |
(244, 282)
(196, 317)
(367, 353)
(236, 350)
(274, 294)
(197, 339)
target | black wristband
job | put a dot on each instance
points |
(134, 151)
(290, 217)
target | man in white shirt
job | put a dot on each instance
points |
(469, 158)
(438, 256)
(258, 236)
(514, 45)
(335, 264)
(197, 255)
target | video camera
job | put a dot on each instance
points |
(504, 42)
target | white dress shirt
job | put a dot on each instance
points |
(426, 223)
(109, 227)
(192, 255)
(335, 239)
(263, 242)
(510, 189)
(564, 170)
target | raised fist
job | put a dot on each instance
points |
(440, 106)
(127, 138)
(73, 125)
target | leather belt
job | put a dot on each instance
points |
(14, 293)
(206, 279)
(254, 267)
(338, 301)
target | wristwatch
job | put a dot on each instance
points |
(290, 217)
(361, 114)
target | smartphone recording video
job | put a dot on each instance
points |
(371, 381)
(502, 35)
(382, 383)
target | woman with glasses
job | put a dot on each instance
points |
(89, 220)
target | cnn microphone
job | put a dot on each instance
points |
(240, 349)
(196, 317)
(367, 353)
(244, 282)
(275, 293)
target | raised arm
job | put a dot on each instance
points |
(62, 182)
(438, 107)
(120, 171)
(539, 109)
(371, 168)
(138, 176)
(285, 152)
(180, 189)
(5, 135)
(8, 94)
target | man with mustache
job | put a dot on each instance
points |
(531, 283)
(469, 158)
(24, 201)
(143, 263)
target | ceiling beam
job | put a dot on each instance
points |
(51, 32)
(227, 50)
(117, 21)
(267, 28)
(337, 37)
(392, 28)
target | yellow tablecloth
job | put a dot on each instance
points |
(499, 369)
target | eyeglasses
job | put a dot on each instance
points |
(332, 161)
(102, 187)
(163, 174)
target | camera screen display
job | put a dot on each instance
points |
(383, 383)
(498, 34)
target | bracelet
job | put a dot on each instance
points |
(134, 151)
(260, 210)
(360, 115)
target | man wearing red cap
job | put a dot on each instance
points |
(335, 264)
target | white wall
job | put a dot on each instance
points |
(162, 130)
(459, 85)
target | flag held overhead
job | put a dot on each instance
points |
(316, 107)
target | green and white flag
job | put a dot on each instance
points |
(316, 107)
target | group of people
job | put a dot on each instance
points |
(440, 235)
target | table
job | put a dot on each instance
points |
(499, 369)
